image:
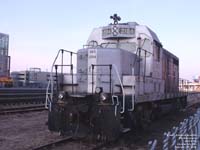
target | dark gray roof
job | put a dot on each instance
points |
(153, 34)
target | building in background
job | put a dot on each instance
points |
(5, 79)
(189, 86)
(33, 77)
(196, 79)
(4, 58)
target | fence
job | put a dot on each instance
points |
(184, 137)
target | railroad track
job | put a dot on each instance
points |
(68, 140)
(22, 109)
(54, 144)
(23, 99)
(88, 146)
(19, 100)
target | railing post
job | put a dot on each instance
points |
(92, 78)
(190, 125)
(174, 136)
(180, 134)
(196, 120)
(166, 137)
(195, 136)
(152, 145)
(72, 78)
(192, 132)
(56, 68)
(110, 67)
(62, 75)
(198, 129)
(186, 129)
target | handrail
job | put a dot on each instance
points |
(49, 96)
(116, 104)
(118, 76)
(123, 103)
(51, 76)
(67, 51)
(110, 74)
(133, 99)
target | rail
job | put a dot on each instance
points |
(71, 139)
(71, 72)
(53, 144)
(49, 95)
(115, 101)
(22, 109)
(47, 101)
(152, 145)
(22, 98)
(110, 75)
(123, 94)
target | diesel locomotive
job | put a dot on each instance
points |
(122, 79)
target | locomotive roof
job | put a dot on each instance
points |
(169, 53)
(153, 34)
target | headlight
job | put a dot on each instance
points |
(103, 96)
(60, 96)
(98, 90)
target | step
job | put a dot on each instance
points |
(69, 84)
(125, 130)
(119, 85)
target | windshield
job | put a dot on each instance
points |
(126, 46)
(129, 46)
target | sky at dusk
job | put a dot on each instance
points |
(39, 28)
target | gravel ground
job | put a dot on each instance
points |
(24, 131)
(27, 131)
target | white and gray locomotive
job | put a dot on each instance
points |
(123, 78)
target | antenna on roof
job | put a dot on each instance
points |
(115, 18)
